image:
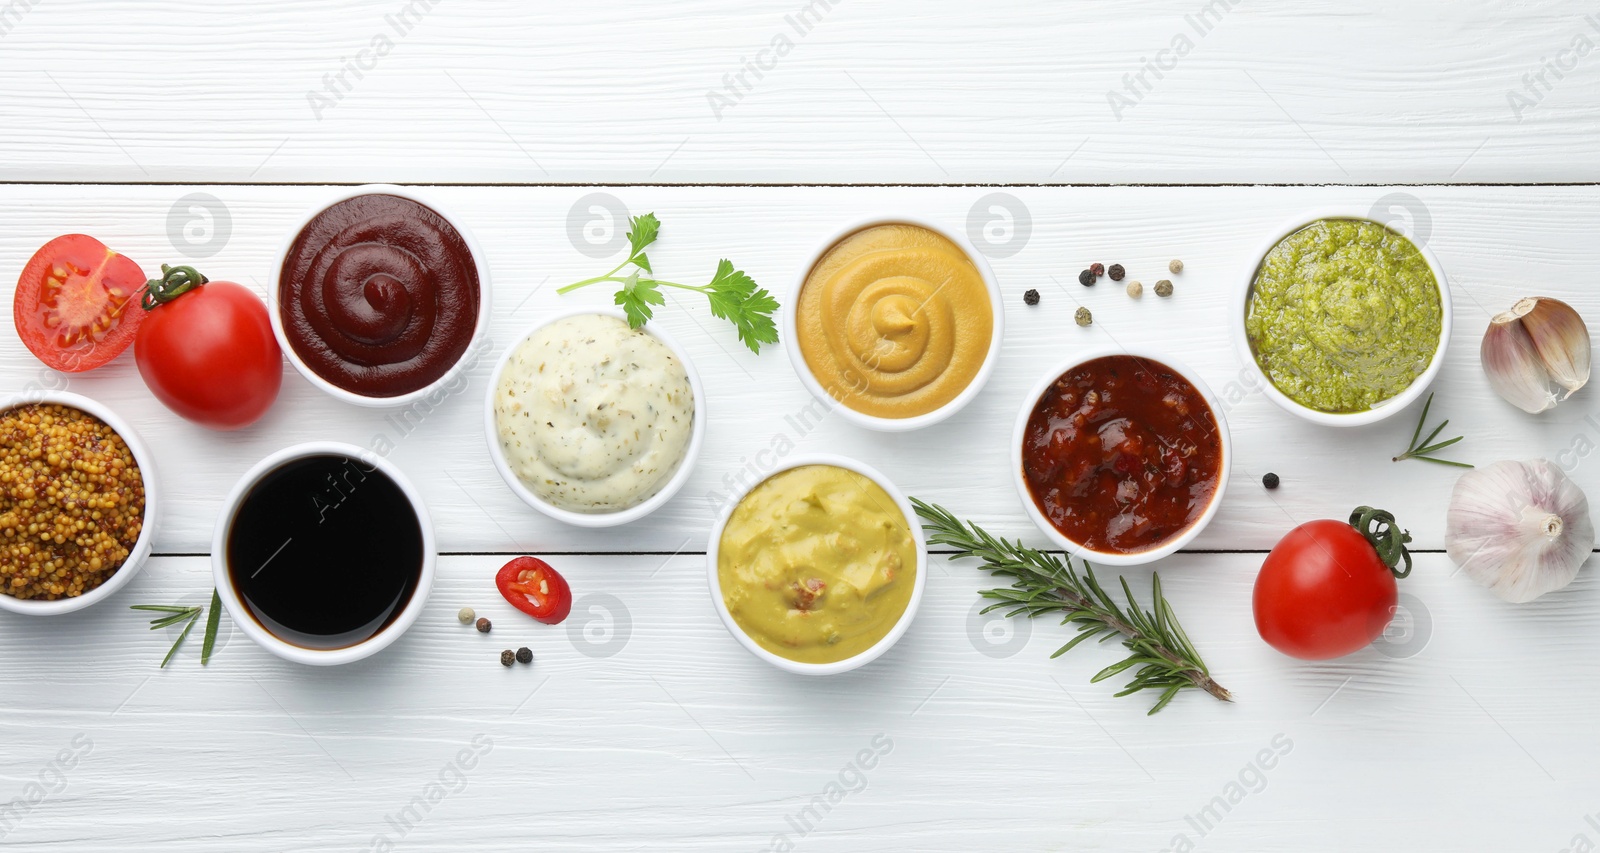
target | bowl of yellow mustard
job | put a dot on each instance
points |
(894, 322)
(818, 569)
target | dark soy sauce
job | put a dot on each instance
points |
(325, 551)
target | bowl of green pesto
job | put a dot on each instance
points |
(1343, 320)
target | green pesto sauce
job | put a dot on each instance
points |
(1343, 314)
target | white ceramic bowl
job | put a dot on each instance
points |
(152, 500)
(274, 309)
(241, 614)
(791, 343)
(1241, 340)
(1043, 523)
(878, 648)
(691, 454)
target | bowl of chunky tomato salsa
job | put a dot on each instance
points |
(1121, 457)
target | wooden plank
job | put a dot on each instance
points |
(930, 92)
(1497, 244)
(981, 741)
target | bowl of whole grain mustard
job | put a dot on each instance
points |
(1342, 320)
(77, 503)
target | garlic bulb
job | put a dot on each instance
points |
(1537, 347)
(1520, 528)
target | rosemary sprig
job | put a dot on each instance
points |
(212, 623)
(1043, 584)
(1423, 449)
(176, 614)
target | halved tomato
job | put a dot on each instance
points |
(77, 303)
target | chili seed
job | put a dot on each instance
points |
(1083, 317)
(1086, 278)
(483, 625)
(1135, 289)
(508, 657)
(1117, 271)
(1098, 269)
(466, 616)
(1175, 267)
(524, 655)
(1164, 288)
(1031, 297)
(1270, 481)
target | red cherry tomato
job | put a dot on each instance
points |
(77, 303)
(1325, 591)
(207, 351)
(536, 589)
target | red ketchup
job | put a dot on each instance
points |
(379, 295)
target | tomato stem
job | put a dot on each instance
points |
(173, 283)
(1379, 528)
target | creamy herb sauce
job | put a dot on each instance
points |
(594, 416)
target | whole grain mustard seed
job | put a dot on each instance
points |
(71, 502)
(1135, 289)
(1164, 288)
(466, 616)
(1175, 267)
(1083, 317)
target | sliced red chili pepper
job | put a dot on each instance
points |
(536, 589)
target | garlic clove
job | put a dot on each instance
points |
(1512, 363)
(1561, 339)
(1520, 528)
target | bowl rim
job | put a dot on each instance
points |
(790, 320)
(1171, 546)
(876, 650)
(241, 615)
(275, 309)
(691, 454)
(1241, 341)
(142, 546)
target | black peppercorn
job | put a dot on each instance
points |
(1270, 481)
(1086, 278)
(1031, 297)
(1117, 271)
(524, 655)
(1098, 269)
(508, 657)
(483, 625)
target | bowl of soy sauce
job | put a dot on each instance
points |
(324, 554)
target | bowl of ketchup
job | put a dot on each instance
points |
(378, 295)
(1121, 456)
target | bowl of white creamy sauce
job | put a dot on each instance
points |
(594, 423)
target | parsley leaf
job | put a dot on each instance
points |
(735, 297)
(636, 297)
(645, 229)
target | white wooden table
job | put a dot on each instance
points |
(191, 131)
